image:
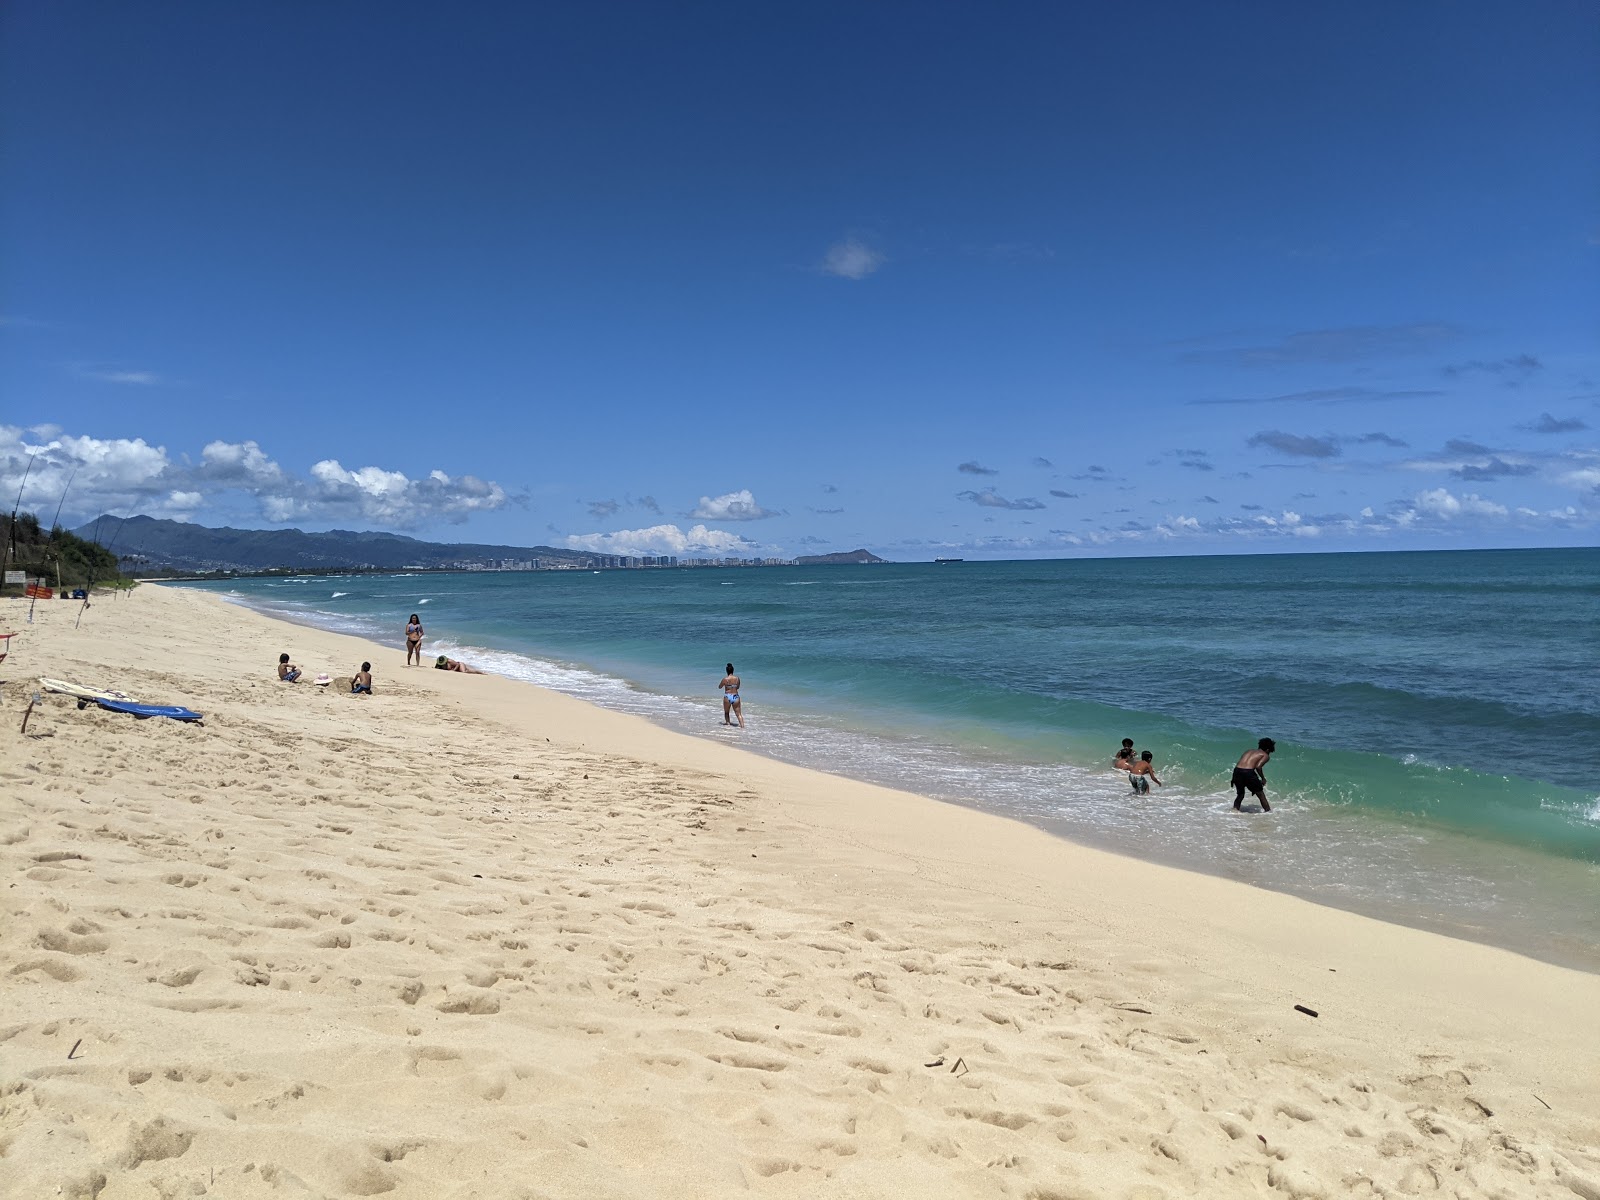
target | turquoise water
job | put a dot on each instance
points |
(1437, 714)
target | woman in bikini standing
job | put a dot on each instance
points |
(414, 640)
(730, 698)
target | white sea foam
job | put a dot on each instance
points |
(336, 595)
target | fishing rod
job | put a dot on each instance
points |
(11, 534)
(53, 524)
(89, 587)
(56, 520)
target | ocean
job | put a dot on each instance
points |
(1437, 715)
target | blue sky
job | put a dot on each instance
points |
(1002, 281)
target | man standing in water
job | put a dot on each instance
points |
(1248, 775)
(730, 698)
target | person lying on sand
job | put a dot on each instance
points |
(1248, 775)
(454, 664)
(287, 671)
(1141, 771)
(361, 683)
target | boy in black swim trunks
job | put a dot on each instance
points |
(1248, 775)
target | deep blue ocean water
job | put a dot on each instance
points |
(1437, 714)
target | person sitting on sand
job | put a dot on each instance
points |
(1124, 758)
(730, 698)
(1141, 771)
(455, 664)
(287, 671)
(361, 683)
(414, 640)
(1248, 775)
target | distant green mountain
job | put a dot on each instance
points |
(848, 556)
(151, 543)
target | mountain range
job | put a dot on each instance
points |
(153, 542)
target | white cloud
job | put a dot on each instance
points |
(129, 474)
(239, 462)
(734, 506)
(110, 375)
(1443, 504)
(851, 259)
(659, 539)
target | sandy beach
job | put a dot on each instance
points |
(470, 939)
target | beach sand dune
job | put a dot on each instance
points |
(468, 939)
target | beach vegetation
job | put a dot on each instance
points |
(59, 557)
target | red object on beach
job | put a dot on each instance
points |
(37, 591)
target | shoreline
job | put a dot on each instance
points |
(509, 926)
(1524, 927)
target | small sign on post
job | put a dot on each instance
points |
(16, 578)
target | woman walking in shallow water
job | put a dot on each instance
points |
(730, 698)
(414, 640)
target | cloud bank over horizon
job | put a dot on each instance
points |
(98, 475)
(1376, 503)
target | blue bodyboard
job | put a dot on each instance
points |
(176, 712)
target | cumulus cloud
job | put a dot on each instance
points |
(1548, 424)
(974, 468)
(1475, 462)
(732, 506)
(1494, 467)
(988, 499)
(1296, 445)
(387, 497)
(131, 474)
(850, 259)
(663, 539)
(1441, 503)
(601, 509)
(1586, 478)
